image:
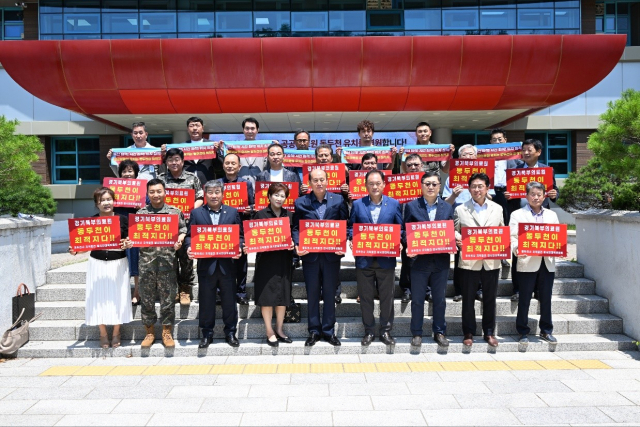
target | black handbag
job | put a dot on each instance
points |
(293, 313)
(24, 299)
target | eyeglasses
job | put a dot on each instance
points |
(430, 184)
(413, 165)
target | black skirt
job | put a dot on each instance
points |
(272, 279)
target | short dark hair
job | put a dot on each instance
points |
(535, 142)
(324, 146)
(278, 186)
(128, 164)
(275, 144)
(497, 131)
(374, 172)
(251, 120)
(155, 181)
(413, 156)
(423, 124)
(298, 132)
(366, 124)
(369, 156)
(97, 195)
(482, 176)
(173, 152)
(137, 125)
(194, 120)
(429, 174)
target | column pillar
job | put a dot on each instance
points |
(180, 136)
(441, 136)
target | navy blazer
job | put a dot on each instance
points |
(390, 213)
(416, 211)
(288, 176)
(336, 210)
(516, 204)
(200, 216)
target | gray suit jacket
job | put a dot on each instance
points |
(465, 216)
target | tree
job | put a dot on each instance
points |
(21, 189)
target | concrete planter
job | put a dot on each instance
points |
(608, 245)
(25, 254)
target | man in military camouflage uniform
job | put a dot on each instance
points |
(177, 177)
(158, 270)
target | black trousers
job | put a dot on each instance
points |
(226, 283)
(543, 280)
(489, 281)
(436, 282)
(405, 271)
(458, 277)
(367, 278)
(242, 266)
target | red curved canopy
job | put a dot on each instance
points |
(208, 76)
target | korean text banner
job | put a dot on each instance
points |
(506, 151)
(87, 234)
(354, 155)
(461, 170)
(236, 195)
(153, 230)
(262, 195)
(428, 153)
(219, 241)
(517, 180)
(485, 243)
(196, 150)
(181, 198)
(404, 187)
(542, 239)
(323, 236)
(357, 187)
(142, 156)
(376, 240)
(247, 148)
(130, 193)
(430, 237)
(335, 174)
(265, 235)
(298, 158)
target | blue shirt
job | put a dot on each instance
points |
(537, 217)
(215, 215)
(431, 209)
(319, 207)
(375, 210)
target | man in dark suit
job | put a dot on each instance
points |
(275, 172)
(216, 272)
(321, 270)
(375, 209)
(531, 151)
(429, 271)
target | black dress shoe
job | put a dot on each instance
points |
(242, 300)
(523, 339)
(286, 340)
(387, 339)
(479, 296)
(205, 341)
(338, 299)
(416, 341)
(406, 297)
(273, 343)
(428, 298)
(297, 264)
(441, 340)
(312, 340)
(367, 339)
(333, 340)
(232, 340)
(548, 338)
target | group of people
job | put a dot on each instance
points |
(169, 273)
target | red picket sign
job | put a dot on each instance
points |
(485, 243)
(265, 235)
(236, 195)
(462, 169)
(262, 191)
(181, 198)
(87, 234)
(542, 239)
(323, 235)
(430, 237)
(376, 240)
(335, 173)
(215, 241)
(404, 187)
(357, 187)
(130, 193)
(517, 180)
(153, 230)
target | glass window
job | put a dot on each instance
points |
(13, 32)
(568, 3)
(535, 32)
(568, 18)
(459, 3)
(502, 4)
(233, 35)
(51, 37)
(120, 5)
(599, 24)
(429, 19)
(422, 4)
(157, 22)
(120, 36)
(195, 22)
(309, 5)
(498, 19)
(272, 21)
(81, 23)
(50, 6)
(81, 6)
(195, 35)
(385, 19)
(460, 19)
(535, 4)
(259, 5)
(199, 5)
(75, 158)
(309, 21)
(158, 36)
(51, 24)
(347, 21)
(119, 22)
(423, 33)
(347, 5)
(157, 5)
(234, 21)
(82, 37)
(233, 5)
(535, 18)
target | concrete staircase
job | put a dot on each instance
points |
(581, 322)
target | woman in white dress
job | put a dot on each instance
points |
(108, 295)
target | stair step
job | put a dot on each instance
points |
(256, 347)
(350, 327)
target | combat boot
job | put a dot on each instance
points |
(167, 339)
(149, 338)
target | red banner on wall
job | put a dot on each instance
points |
(215, 241)
(153, 230)
(462, 169)
(404, 187)
(130, 193)
(181, 198)
(485, 243)
(264, 235)
(335, 173)
(517, 180)
(376, 240)
(430, 237)
(236, 195)
(87, 234)
(262, 195)
(357, 187)
(323, 236)
(542, 239)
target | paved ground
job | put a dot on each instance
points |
(427, 389)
